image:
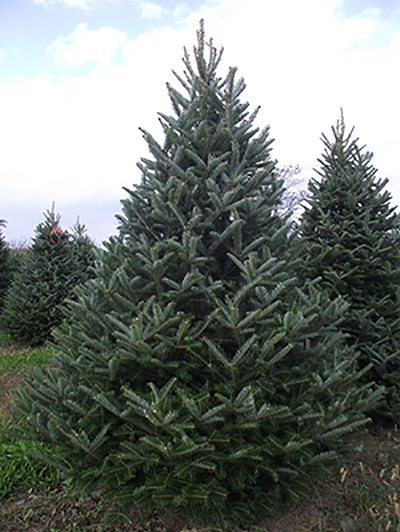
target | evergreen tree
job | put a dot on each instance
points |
(192, 372)
(83, 254)
(54, 264)
(5, 269)
(350, 240)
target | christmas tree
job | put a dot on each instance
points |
(350, 240)
(5, 272)
(54, 264)
(192, 372)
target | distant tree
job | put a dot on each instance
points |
(350, 240)
(54, 264)
(83, 253)
(191, 372)
(18, 252)
(5, 265)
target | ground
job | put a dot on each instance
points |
(8, 384)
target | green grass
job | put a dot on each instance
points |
(10, 362)
(14, 357)
(19, 467)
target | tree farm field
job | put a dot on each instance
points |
(361, 493)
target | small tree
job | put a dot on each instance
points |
(350, 240)
(53, 266)
(192, 373)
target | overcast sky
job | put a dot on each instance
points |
(79, 77)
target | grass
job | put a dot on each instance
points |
(19, 467)
(14, 357)
(359, 494)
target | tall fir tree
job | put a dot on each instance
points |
(54, 264)
(350, 240)
(191, 372)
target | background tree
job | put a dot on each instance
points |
(5, 267)
(191, 372)
(54, 264)
(350, 239)
(18, 252)
(83, 253)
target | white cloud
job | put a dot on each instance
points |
(301, 62)
(150, 10)
(395, 44)
(78, 140)
(181, 11)
(84, 45)
(83, 4)
(16, 52)
(65, 142)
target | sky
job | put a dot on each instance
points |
(78, 78)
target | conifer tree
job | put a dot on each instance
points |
(54, 264)
(5, 276)
(350, 240)
(192, 372)
(82, 252)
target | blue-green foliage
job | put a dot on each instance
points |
(194, 371)
(5, 265)
(54, 264)
(350, 240)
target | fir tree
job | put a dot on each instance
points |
(83, 254)
(5, 273)
(350, 240)
(191, 372)
(54, 264)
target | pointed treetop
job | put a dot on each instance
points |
(79, 229)
(340, 123)
(52, 217)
